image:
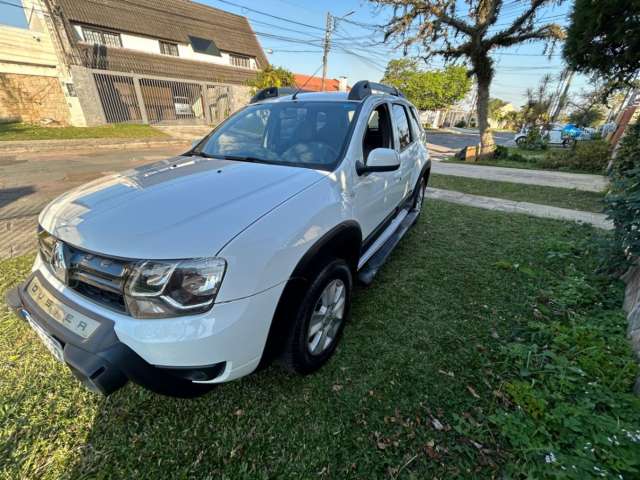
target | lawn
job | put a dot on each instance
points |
(516, 157)
(23, 131)
(557, 197)
(528, 160)
(416, 368)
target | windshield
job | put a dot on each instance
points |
(309, 134)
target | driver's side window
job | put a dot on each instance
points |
(378, 133)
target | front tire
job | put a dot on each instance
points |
(320, 319)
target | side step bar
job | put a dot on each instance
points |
(377, 260)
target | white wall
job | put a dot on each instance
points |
(185, 51)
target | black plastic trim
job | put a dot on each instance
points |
(365, 88)
(103, 363)
(345, 237)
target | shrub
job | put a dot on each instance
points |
(588, 156)
(501, 152)
(623, 199)
(568, 377)
(534, 140)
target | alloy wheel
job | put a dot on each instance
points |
(327, 317)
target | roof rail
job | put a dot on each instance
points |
(364, 88)
(273, 92)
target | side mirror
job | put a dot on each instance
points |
(380, 160)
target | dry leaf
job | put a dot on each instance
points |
(472, 391)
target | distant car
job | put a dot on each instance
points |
(199, 269)
(555, 135)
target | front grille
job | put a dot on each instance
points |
(99, 278)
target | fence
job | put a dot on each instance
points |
(129, 98)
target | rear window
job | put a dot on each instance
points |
(402, 126)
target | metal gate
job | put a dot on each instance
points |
(155, 100)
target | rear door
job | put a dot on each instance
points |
(407, 148)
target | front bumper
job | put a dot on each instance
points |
(102, 362)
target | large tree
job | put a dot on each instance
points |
(603, 39)
(469, 30)
(428, 90)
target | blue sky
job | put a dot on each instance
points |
(297, 46)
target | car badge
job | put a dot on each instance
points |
(59, 263)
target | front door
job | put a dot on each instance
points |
(373, 206)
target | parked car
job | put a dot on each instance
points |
(200, 269)
(554, 135)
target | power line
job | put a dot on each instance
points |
(259, 12)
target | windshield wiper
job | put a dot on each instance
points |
(239, 158)
(233, 158)
(200, 154)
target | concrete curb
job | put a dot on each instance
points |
(49, 146)
(598, 220)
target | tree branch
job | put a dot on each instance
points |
(518, 22)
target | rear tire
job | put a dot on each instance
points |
(320, 319)
(419, 196)
(520, 141)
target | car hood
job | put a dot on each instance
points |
(184, 207)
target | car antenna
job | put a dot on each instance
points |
(305, 83)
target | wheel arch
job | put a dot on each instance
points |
(342, 241)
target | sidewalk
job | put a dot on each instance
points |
(598, 220)
(546, 178)
(51, 146)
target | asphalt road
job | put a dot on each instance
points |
(460, 140)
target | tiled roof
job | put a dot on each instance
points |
(314, 84)
(170, 20)
(130, 61)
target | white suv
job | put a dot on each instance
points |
(200, 269)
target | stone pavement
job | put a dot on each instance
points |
(30, 180)
(598, 220)
(547, 178)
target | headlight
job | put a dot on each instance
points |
(159, 289)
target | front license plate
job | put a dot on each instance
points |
(54, 346)
(75, 321)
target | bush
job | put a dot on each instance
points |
(569, 410)
(501, 152)
(534, 140)
(623, 199)
(590, 156)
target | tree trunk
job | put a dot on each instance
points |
(487, 145)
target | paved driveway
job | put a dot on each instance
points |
(29, 181)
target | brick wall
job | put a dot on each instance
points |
(31, 99)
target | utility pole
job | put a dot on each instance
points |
(327, 46)
(563, 96)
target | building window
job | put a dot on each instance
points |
(101, 37)
(203, 45)
(168, 48)
(240, 60)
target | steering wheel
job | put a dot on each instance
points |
(313, 148)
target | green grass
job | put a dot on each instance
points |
(557, 197)
(418, 347)
(531, 163)
(23, 131)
